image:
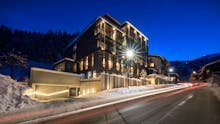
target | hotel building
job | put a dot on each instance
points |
(102, 47)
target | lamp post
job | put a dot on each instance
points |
(130, 54)
(170, 70)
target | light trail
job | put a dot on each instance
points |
(20, 116)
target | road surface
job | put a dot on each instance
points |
(198, 106)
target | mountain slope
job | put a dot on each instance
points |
(184, 68)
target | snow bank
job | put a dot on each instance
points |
(11, 97)
(117, 92)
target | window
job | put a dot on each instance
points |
(81, 65)
(124, 40)
(92, 59)
(152, 65)
(103, 61)
(86, 63)
(110, 63)
(122, 68)
(117, 66)
(132, 70)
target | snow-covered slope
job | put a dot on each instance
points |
(11, 97)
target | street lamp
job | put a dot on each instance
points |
(194, 72)
(170, 70)
(130, 54)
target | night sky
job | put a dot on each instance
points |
(177, 29)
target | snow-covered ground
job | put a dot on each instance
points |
(121, 92)
(11, 97)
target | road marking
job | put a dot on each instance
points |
(184, 101)
(169, 113)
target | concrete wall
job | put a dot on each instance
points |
(49, 84)
(90, 86)
(39, 75)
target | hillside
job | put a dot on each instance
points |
(184, 68)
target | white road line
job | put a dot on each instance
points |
(169, 113)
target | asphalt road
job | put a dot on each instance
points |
(198, 106)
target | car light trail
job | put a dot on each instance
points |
(91, 113)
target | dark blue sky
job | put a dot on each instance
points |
(177, 29)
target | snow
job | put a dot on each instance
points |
(118, 92)
(11, 95)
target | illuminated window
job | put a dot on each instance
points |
(114, 34)
(122, 68)
(81, 65)
(110, 63)
(132, 70)
(124, 40)
(152, 65)
(92, 63)
(103, 61)
(117, 66)
(86, 63)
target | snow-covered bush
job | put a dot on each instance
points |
(11, 97)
